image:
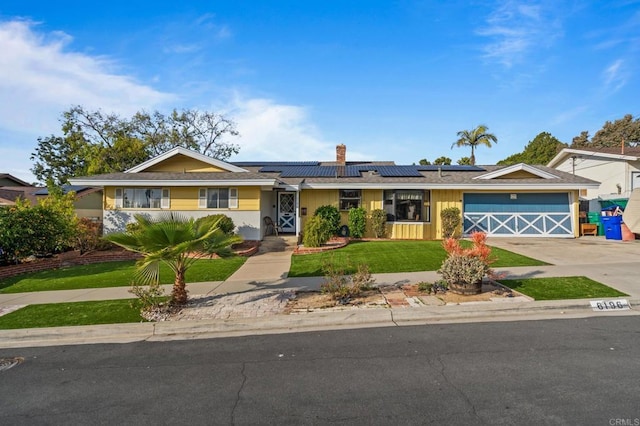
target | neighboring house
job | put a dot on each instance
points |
(617, 170)
(517, 200)
(12, 188)
(88, 200)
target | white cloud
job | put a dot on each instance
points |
(271, 131)
(276, 132)
(515, 29)
(40, 77)
(615, 76)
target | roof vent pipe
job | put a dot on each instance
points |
(439, 171)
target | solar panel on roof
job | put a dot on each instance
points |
(450, 168)
(398, 171)
(274, 163)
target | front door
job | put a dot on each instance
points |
(287, 211)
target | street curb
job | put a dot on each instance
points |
(302, 322)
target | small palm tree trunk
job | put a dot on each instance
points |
(179, 291)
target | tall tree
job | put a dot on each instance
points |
(625, 131)
(474, 138)
(540, 150)
(94, 142)
(613, 134)
(581, 141)
(424, 162)
(464, 161)
(171, 240)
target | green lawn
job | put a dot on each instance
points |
(114, 274)
(69, 314)
(392, 256)
(561, 288)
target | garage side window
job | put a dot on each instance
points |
(407, 205)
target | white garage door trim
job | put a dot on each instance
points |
(521, 223)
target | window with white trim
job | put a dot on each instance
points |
(218, 198)
(142, 198)
(350, 199)
(407, 205)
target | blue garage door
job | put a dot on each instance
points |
(518, 214)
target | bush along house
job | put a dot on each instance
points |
(518, 200)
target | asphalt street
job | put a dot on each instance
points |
(579, 371)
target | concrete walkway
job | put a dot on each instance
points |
(614, 263)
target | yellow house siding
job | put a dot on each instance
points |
(440, 200)
(311, 199)
(181, 163)
(249, 198)
(520, 174)
(186, 199)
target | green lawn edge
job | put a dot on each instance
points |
(561, 288)
(73, 314)
(393, 257)
(114, 274)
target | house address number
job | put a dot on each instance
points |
(610, 305)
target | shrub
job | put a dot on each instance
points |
(316, 232)
(379, 223)
(332, 216)
(463, 269)
(42, 230)
(466, 266)
(343, 287)
(357, 221)
(451, 219)
(226, 224)
(89, 235)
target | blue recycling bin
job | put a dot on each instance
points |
(612, 227)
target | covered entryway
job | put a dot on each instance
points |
(287, 211)
(518, 214)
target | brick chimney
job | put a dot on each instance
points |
(341, 154)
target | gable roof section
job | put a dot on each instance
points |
(12, 178)
(630, 154)
(515, 169)
(187, 153)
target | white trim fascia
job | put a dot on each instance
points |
(174, 183)
(516, 168)
(187, 153)
(286, 187)
(472, 187)
(566, 152)
(397, 185)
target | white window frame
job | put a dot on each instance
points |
(203, 197)
(424, 211)
(165, 198)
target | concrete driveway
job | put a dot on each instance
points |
(611, 262)
(572, 251)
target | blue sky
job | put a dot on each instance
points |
(391, 80)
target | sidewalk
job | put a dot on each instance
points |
(263, 277)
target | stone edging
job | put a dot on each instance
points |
(333, 244)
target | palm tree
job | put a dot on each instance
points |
(173, 239)
(475, 137)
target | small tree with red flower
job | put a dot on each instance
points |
(464, 268)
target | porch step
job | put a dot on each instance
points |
(273, 243)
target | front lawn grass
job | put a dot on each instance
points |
(70, 314)
(115, 274)
(392, 256)
(561, 288)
